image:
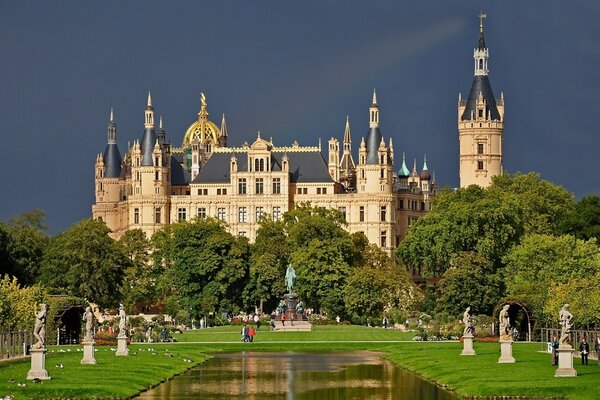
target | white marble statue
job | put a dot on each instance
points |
(88, 318)
(39, 331)
(566, 325)
(505, 331)
(468, 321)
(122, 321)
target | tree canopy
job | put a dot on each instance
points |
(85, 262)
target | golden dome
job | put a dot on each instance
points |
(203, 130)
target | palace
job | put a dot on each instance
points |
(156, 183)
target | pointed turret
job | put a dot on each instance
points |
(112, 156)
(161, 135)
(374, 136)
(347, 163)
(223, 138)
(480, 123)
(403, 172)
(149, 135)
(481, 86)
(424, 175)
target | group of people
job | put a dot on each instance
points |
(248, 333)
(584, 350)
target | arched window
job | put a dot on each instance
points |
(480, 64)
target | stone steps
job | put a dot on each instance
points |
(299, 326)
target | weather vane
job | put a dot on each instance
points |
(481, 17)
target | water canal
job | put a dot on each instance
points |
(297, 376)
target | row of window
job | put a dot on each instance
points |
(222, 213)
(157, 215)
(259, 211)
(413, 205)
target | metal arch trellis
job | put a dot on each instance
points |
(511, 302)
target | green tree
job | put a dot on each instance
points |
(470, 282)
(140, 287)
(486, 221)
(18, 304)
(584, 221)
(7, 264)
(543, 261)
(29, 241)
(379, 285)
(544, 204)
(322, 253)
(85, 262)
(270, 255)
(207, 267)
(583, 297)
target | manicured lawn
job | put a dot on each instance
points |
(122, 377)
(319, 333)
(111, 377)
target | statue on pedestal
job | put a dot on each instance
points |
(88, 318)
(281, 307)
(468, 321)
(299, 308)
(566, 325)
(39, 331)
(505, 333)
(290, 277)
(122, 321)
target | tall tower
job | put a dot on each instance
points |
(480, 124)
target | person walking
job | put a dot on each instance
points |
(598, 349)
(584, 349)
(272, 322)
(385, 322)
(245, 333)
(292, 319)
(257, 322)
(554, 343)
(251, 333)
(283, 319)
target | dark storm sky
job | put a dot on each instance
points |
(292, 70)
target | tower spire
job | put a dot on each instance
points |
(481, 53)
(112, 128)
(149, 104)
(374, 112)
(347, 138)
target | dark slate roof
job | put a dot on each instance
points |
(373, 142)
(179, 176)
(147, 145)
(112, 161)
(307, 167)
(304, 167)
(481, 43)
(481, 84)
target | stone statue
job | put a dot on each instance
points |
(39, 331)
(290, 277)
(299, 308)
(88, 318)
(566, 325)
(122, 321)
(468, 321)
(281, 307)
(505, 334)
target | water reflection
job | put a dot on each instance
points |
(298, 376)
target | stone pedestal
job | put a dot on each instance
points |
(88, 352)
(468, 346)
(122, 349)
(38, 365)
(565, 362)
(506, 356)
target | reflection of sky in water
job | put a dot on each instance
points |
(297, 376)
